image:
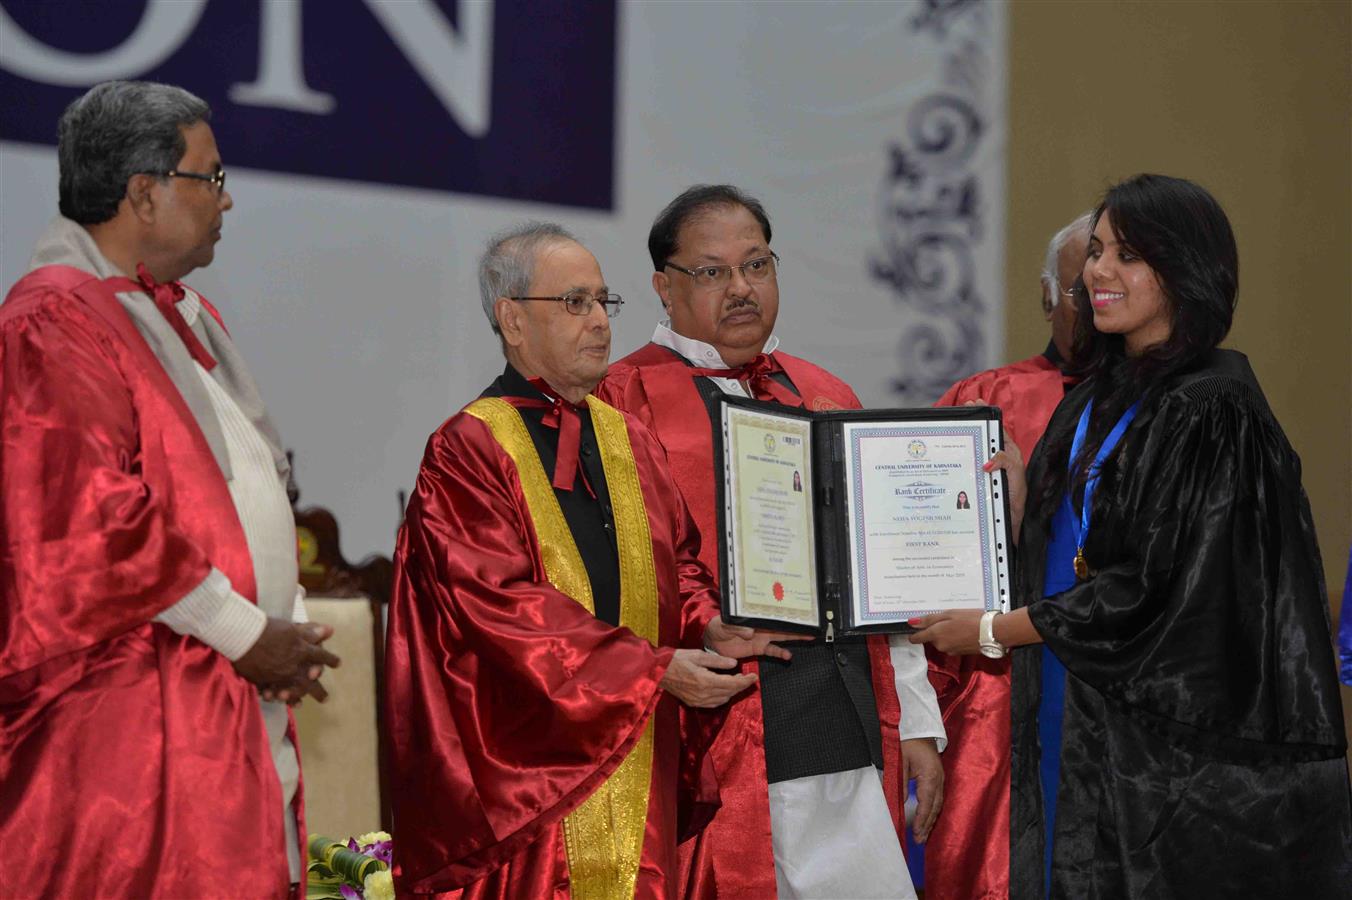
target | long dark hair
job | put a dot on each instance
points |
(1182, 233)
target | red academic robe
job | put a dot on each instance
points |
(512, 703)
(733, 856)
(964, 861)
(133, 760)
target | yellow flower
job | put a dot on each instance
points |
(372, 837)
(379, 885)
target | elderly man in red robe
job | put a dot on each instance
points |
(968, 850)
(148, 574)
(806, 810)
(549, 612)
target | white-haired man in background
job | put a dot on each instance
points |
(968, 850)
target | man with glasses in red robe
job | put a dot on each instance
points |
(548, 619)
(148, 575)
(806, 811)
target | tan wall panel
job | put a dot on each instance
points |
(1254, 101)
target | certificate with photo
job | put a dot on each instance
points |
(773, 572)
(855, 521)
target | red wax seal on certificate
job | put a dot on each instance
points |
(778, 591)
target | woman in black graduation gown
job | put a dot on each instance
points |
(1191, 740)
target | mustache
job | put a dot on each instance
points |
(740, 303)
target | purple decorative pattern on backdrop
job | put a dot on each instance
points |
(932, 212)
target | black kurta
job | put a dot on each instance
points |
(1203, 744)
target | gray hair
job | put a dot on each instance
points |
(508, 264)
(1054, 248)
(116, 130)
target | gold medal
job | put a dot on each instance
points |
(1081, 565)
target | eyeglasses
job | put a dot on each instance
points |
(757, 270)
(580, 303)
(215, 179)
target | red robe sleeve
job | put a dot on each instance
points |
(89, 551)
(963, 860)
(945, 670)
(510, 701)
(1026, 392)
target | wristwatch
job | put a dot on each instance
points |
(985, 636)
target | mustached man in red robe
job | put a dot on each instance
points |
(148, 573)
(806, 811)
(968, 851)
(548, 614)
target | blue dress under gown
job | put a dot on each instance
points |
(1060, 576)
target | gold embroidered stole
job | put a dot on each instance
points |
(604, 836)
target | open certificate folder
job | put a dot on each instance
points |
(850, 522)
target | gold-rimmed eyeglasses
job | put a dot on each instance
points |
(1074, 291)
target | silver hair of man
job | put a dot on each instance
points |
(508, 264)
(115, 130)
(1058, 242)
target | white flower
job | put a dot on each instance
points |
(371, 837)
(379, 885)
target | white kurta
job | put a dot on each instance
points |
(217, 615)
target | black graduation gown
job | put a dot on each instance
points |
(1203, 742)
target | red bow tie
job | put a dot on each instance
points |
(563, 416)
(759, 377)
(165, 296)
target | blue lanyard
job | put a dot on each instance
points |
(1091, 482)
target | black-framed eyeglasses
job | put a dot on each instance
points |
(580, 303)
(757, 270)
(215, 179)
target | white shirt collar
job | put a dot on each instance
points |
(697, 352)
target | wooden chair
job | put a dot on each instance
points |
(342, 741)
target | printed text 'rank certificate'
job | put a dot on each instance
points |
(921, 510)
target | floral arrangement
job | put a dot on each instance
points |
(356, 870)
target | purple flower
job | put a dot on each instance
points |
(349, 892)
(383, 851)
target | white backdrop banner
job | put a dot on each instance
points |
(374, 146)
